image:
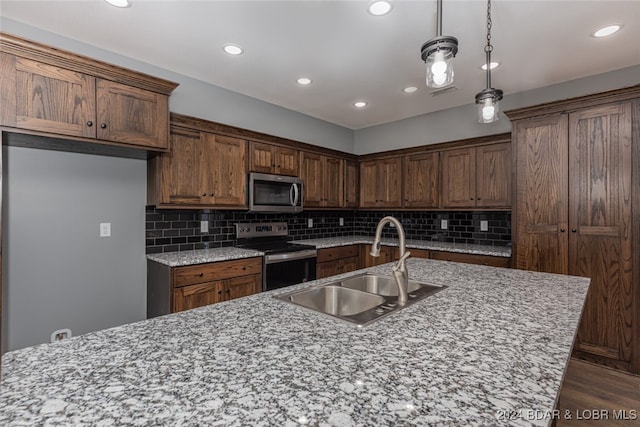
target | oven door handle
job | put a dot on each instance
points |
(290, 256)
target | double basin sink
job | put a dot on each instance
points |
(360, 299)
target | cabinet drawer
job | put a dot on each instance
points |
(190, 275)
(331, 254)
(493, 261)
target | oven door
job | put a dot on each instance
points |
(282, 270)
(275, 193)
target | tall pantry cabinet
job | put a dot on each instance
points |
(576, 209)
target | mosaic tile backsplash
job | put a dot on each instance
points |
(179, 230)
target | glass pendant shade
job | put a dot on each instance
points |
(440, 68)
(488, 105)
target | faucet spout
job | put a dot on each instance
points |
(400, 269)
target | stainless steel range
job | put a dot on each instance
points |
(285, 263)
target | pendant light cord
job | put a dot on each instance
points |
(488, 48)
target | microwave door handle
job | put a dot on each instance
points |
(296, 195)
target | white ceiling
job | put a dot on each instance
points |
(350, 54)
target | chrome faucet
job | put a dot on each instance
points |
(400, 269)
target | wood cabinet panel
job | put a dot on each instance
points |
(327, 269)
(131, 115)
(339, 252)
(351, 184)
(416, 253)
(381, 183)
(183, 170)
(229, 172)
(471, 258)
(459, 178)
(574, 216)
(195, 296)
(338, 260)
(266, 158)
(600, 219)
(239, 287)
(192, 274)
(53, 99)
(542, 200)
(366, 260)
(323, 180)
(493, 168)
(422, 180)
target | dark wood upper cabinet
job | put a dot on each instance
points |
(381, 183)
(422, 180)
(54, 92)
(477, 177)
(323, 178)
(351, 184)
(267, 158)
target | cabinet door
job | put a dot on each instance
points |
(333, 182)
(390, 182)
(600, 221)
(181, 176)
(192, 296)
(459, 178)
(132, 115)
(368, 184)
(349, 264)
(242, 286)
(422, 181)
(229, 171)
(312, 175)
(46, 98)
(286, 161)
(542, 200)
(261, 158)
(386, 255)
(351, 184)
(327, 269)
(493, 163)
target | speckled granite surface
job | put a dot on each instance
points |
(495, 340)
(464, 248)
(176, 259)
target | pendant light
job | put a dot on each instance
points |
(438, 54)
(487, 100)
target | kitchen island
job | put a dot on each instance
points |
(484, 351)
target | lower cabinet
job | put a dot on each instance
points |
(173, 289)
(387, 254)
(493, 261)
(338, 260)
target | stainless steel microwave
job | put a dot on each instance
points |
(275, 193)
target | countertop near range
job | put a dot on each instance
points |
(464, 248)
(496, 340)
(202, 256)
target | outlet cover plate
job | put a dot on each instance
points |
(444, 224)
(105, 229)
(484, 225)
(204, 226)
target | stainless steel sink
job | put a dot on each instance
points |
(380, 285)
(336, 300)
(360, 299)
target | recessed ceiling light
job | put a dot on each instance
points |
(119, 3)
(233, 49)
(606, 31)
(410, 89)
(360, 104)
(494, 65)
(379, 8)
(304, 81)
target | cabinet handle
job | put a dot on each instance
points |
(89, 123)
(228, 291)
(201, 274)
(479, 198)
(471, 198)
(573, 230)
(103, 125)
(211, 194)
(562, 230)
(219, 292)
(204, 194)
(244, 268)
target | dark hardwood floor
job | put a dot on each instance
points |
(594, 395)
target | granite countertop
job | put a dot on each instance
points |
(464, 248)
(496, 340)
(202, 256)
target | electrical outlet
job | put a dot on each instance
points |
(105, 229)
(60, 334)
(341, 222)
(204, 226)
(484, 225)
(310, 222)
(444, 224)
